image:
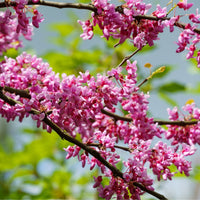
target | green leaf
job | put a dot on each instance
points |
(147, 87)
(172, 87)
(10, 53)
(164, 73)
(174, 169)
(119, 165)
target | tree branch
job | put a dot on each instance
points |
(116, 117)
(159, 122)
(21, 93)
(65, 136)
(54, 4)
(177, 123)
(25, 94)
(128, 57)
(91, 8)
(143, 82)
(154, 18)
(116, 146)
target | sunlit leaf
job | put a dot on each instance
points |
(174, 169)
(189, 101)
(11, 53)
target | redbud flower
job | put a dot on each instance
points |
(183, 4)
(87, 29)
(35, 1)
(160, 12)
(195, 18)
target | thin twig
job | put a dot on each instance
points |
(54, 4)
(159, 122)
(128, 57)
(116, 117)
(143, 82)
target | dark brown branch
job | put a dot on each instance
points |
(21, 93)
(143, 82)
(54, 4)
(116, 146)
(154, 18)
(159, 122)
(7, 99)
(128, 57)
(177, 123)
(65, 136)
(116, 117)
(91, 8)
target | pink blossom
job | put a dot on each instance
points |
(23, 20)
(98, 181)
(184, 39)
(184, 134)
(37, 18)
(35, 1)
(190, 54)
(183, 4)
(87, 29)
(9, 36)
(70, 151)
(160, 12)
(170, 23)
(115, 72)
(195, 18)
(198, 59)
(162, 157)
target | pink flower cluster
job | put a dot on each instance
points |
(125, 23)
(13, 25)
(9, 36)
(189, 37)
(75, 104)
(188, 134)
(21, 10)
(184, 4)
